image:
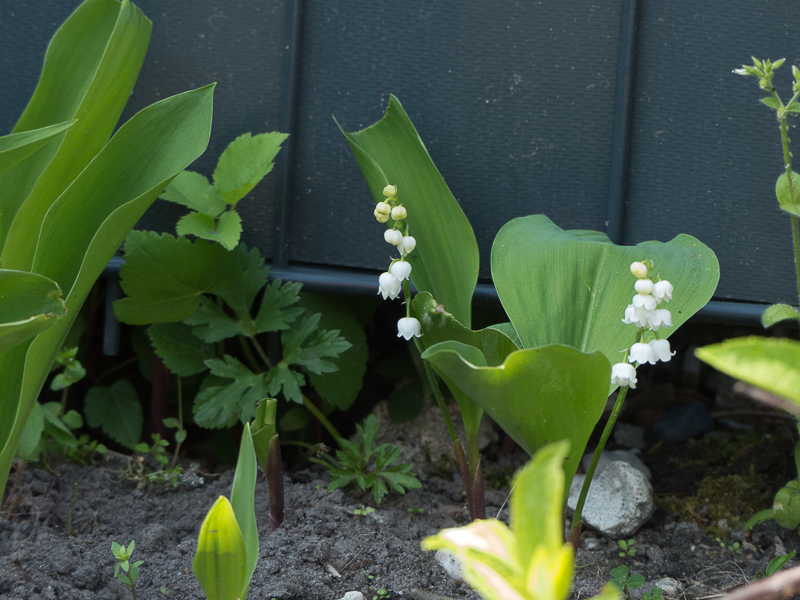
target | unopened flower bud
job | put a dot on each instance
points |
(639, 269)
(390, 191)
(399, 213)
(384, 208)
(393, 237)
(643, 286)
(381, 217)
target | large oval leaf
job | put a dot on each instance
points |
(572, 287)
(445, 262)
(538, 396)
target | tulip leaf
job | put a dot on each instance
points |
(779, 312)
(772, 364)
(572, 287)
(243, 503)
(537, 395)
(29, 304)
(16, 147)
(445, 261)
(221, 562)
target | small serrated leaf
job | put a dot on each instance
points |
(282, 379)
(277, 310)
(229, 229)
(182, 352)
(216, 406)
(245, 162)
(777, 313)
(116, 409)
(211, 323)
(200, 225)
(194, 191)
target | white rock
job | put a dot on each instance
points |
(352, 596)
(608, 456)
(669, 586)
(619, 502)
(450, 565)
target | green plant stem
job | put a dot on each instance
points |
(437, 393)
(248, 353)
(796, 236)
(180, 422)
(322, 419)
(261, 352)
(612, 419)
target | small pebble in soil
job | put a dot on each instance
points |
(450, 565)
(669, 586)
(352, 596)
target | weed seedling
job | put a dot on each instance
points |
(363, 511)
(416, 511)
(625, 582)
(734, 547)
(131, 570)
(627, 547)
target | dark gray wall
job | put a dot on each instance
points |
(515, 101)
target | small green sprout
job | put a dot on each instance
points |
(734, 547)
(364, 510)
(131, 570)
(627, 547)
(380, 594)
(416, 511)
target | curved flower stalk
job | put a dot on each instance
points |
(528, 560)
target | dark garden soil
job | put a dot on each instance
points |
(705, 489)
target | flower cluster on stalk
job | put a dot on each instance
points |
(645, 314)
(391, 282)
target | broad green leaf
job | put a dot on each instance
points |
(29, 304)
(194, 191)
(245, 162)
(445, 261)
(164, 277)
(179, 348)
(87, 224)
(340, 387)
(243, 503)
(16, 147)
(89, 71)
(32, 433)
(221, 562)
(538, 396)
(572, 287)
(789, 199)
(247, 275)
(225, 230)
(55, 427)
(777, 313)
(218, 405)
(117, 410)
(772, 364)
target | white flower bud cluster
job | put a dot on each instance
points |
(644, 312)
(391, 282)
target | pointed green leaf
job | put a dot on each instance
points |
(16, 147)
(777, 313)
(32, 433)
(226, 230)
(309, 346)
(243, 503)
(572, 287)
(220, 563)
(772, 364)
(445, 261)
(772, 102)
(117, 410)
(789, 199)
(194, 191)
(29, 304)
(179, 348)
(89, 71)
(538, 396)
(282, 380)
(245, 162)
(278, 310)
(229, 229)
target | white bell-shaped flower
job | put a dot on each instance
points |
(660, 317)
(393, 237)
(642, 353)
(400, 270)
(388, 286)
(636, 316)
(408, 245)
(646, 302)
(408, 327)
(661, 350)
(643, 286)
(662, 290)
(623, 374)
